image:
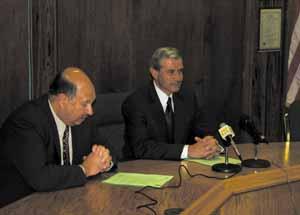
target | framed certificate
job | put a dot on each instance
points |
(270, 29)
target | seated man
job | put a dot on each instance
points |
(162, 120)
(50, 143)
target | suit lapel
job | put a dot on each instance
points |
(156, 107)
(179, 117)
(53, 128)
(75, 143)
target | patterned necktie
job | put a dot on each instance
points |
(170, 120)
(66, 153)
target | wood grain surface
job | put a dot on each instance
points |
(273, 190)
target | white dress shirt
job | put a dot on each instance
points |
(163, 98)
(61, 126)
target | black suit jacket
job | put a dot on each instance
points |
(146, 129)
(30, 152)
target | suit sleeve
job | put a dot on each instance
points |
(26, 147)
(139, 137)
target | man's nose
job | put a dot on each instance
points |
(90, 111)
(178, 76)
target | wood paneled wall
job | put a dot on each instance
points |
(44, 49)
(13, 55)
(113, 40)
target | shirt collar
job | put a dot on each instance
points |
(163, 97)
(59, 123)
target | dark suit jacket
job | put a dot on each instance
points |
(146, 129)
(30, 152)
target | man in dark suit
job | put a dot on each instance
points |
(51, 143)
(162, 120)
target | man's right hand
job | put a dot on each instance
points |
(97, 161)
(206, 147)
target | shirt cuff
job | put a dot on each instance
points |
(221, 148)
(184, 153)
(110, 166)
(83, 169)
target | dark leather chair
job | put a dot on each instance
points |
(109, 119)
(294, 121)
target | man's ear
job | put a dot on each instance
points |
(154, 73)
(62, 98)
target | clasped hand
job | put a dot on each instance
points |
(206, 147)
(99, 160)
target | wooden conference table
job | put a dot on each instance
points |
(274, 190)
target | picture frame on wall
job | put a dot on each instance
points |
(270, 29)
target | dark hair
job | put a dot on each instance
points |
(163, 53)
(61, 85)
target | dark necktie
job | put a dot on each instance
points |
(170, 120)
(66, 153)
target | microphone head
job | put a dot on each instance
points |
(244, 121)
(225, 131)
(222, 124)
(248, 125)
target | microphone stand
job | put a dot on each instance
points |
(226, 167)
(256, 162)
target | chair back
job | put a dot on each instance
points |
(109, 119)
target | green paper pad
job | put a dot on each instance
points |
(137, 179)
(217, 159)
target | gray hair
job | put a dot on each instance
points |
(163, 53)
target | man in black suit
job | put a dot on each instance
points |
(51, 143)
(162, 120)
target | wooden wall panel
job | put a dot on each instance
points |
(95, 35)
(44, 44)
(113, 41)
(263, 73)
(226, 59)
(13, 55)
(269, 83)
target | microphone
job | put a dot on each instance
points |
(248, 125)
(227, 134)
